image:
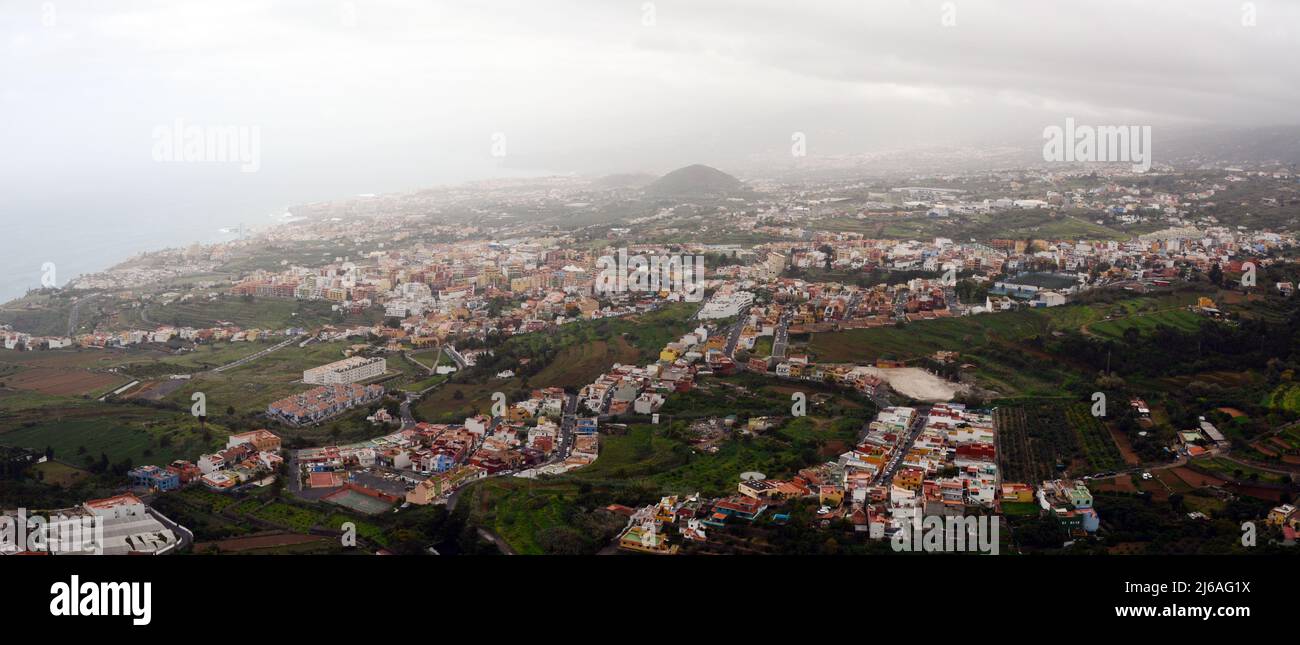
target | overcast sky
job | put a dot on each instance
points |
(371, 96)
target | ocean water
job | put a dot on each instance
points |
(85, 234)
(78, 248)
(84, 221)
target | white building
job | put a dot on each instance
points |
(726, 305)
(348, 370)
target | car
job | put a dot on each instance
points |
(1146, 475)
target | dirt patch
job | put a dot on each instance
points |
(156, 390)
(1264, 449)
(919, 384)
(62, 382)
(235, 545)
(1122, 484)
(1232, 412)
(833, 448)
(1125, 446)
(1196, 479)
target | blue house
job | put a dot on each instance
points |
(155, 477)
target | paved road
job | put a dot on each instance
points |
(496, 539)
(733, 336)
(408, 420)
(781, 338)
(567, 423)
(456, 356)
(918, 423)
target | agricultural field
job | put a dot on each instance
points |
(251, 386)
(57, 473)
(1046, 440)
(1005, 224)
(1099, 449)
(260, 313)
(61, 381)
(1232, 470)
(1004, 349)
(81, 434)
(579, 365)
(37, 314)
(991, 343)
(206, 357)
(454, 401)
(1180, 319)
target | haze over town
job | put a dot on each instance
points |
(371, 97)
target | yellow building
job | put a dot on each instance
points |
(1280, 515)
(832, 496)
(909, 478)
(1013, 492)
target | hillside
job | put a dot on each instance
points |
(694, 181)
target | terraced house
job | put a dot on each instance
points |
(319, 404)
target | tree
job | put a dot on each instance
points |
(1176, 501)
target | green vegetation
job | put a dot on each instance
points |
(251, 386)
(248, 312)
(85, 434)
(1180, 319)
(1011, 224)
(638, 466)
(1039, 441)
(1237, 471)
(1094, 440)
(571, 357)
(1286, 397)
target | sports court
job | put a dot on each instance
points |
(359, 502)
